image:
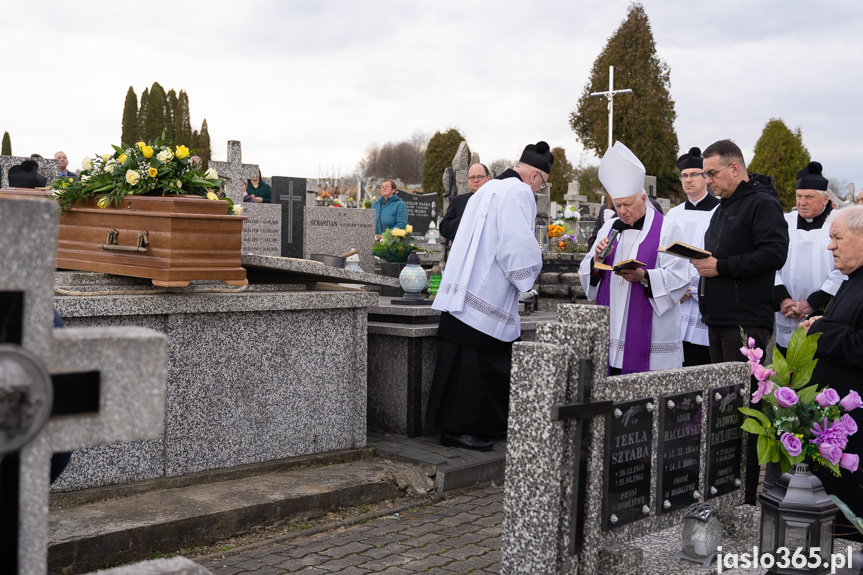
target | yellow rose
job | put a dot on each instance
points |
(147, 151)
(212, 196)
(132, 177)
(122, 159)
(87, 164)
(104, 202)
(153, 172)
(182, 152)
(409, 229)
(398, 233)
(141, 146)
(106, 157)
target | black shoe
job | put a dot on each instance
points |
(465, 441)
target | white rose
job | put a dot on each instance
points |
(132, 177)
(211, 174)
(109, 166)
(164, 156)
(85, 178)
(87, 164)
(237, 210)
(179, 185)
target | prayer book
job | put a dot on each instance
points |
(685, 251)
(624, 265)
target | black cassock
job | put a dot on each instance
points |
(840, 366)
(470, 389)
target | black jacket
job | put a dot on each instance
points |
(450, 221)
(749, 238)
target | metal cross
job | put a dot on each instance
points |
(610, 94)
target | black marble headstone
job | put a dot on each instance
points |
(628, 446)
(725, 440)
(422, 210)
(291, 194)
(679, 451)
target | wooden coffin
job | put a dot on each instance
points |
(170, 240)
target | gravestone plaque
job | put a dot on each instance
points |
(335, 231)
(724, 445)
(262, 232)
(422, 210)
(628, 441)
(679, 451)
(290, 193)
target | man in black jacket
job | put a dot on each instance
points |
(477, 175)
(748, 239)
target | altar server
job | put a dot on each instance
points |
(693, 217)
(644, 302)
(494, 256)
(808, 281)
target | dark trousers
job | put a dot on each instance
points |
(694, 354)
(725, 344)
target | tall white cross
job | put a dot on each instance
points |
(610, 94)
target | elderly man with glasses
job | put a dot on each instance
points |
(477, 175)
(494, 256)
(693, 217)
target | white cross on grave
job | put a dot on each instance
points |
(235, 170)
(47, 168)
(108, 384)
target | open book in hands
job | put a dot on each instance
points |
(685, 251)
(624, 265)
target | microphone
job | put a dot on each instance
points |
(611, 236)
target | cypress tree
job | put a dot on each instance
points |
(170, 114)
(129, 134)
(203, 149)
(154, 121)
(780, 153)
(644, 119)
(193, 140)
(440, 152)
(561, 175)
(182, 123)
(142, 115)
(6, 146)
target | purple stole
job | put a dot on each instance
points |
(639, 322)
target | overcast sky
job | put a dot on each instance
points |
(307, 86)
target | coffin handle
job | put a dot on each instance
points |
(113, 237)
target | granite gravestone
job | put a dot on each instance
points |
(335, 231)
(108, 383)
(559, 496)
(290, 194)
(422, 210)
(262, 230)
(724, 455)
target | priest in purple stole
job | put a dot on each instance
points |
(644, 303)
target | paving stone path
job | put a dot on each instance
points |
(458, 535)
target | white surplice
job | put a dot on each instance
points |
(693, 224)
(494, 256)
(668, 282)
(808, 268)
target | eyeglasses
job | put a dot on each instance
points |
(544, 182)
(712, 173)
(692, 176)
(476, 178)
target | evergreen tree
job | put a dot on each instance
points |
(6, 146)
(561, 175)
(142, 115)
(170, 114)
(154, 121)
(644, 119)
(440, 152)
(203, 149)
(193, 140)
(129, 133)
(780, 153)
(182, 122)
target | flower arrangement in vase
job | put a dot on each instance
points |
(396, 245)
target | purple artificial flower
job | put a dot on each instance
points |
(849, 461)
(831, 453)
(827, 398)
(785, 397)
(834, 434)
(792, 444)
(850, 425)
(764, 388)
(851, 401)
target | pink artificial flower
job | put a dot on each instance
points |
(849, 424)
(792, 444)
(830, 452)
(760, 372)
(851, 401)
(754, 355)
(849, 461)
(764, 388)
(827, 397)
